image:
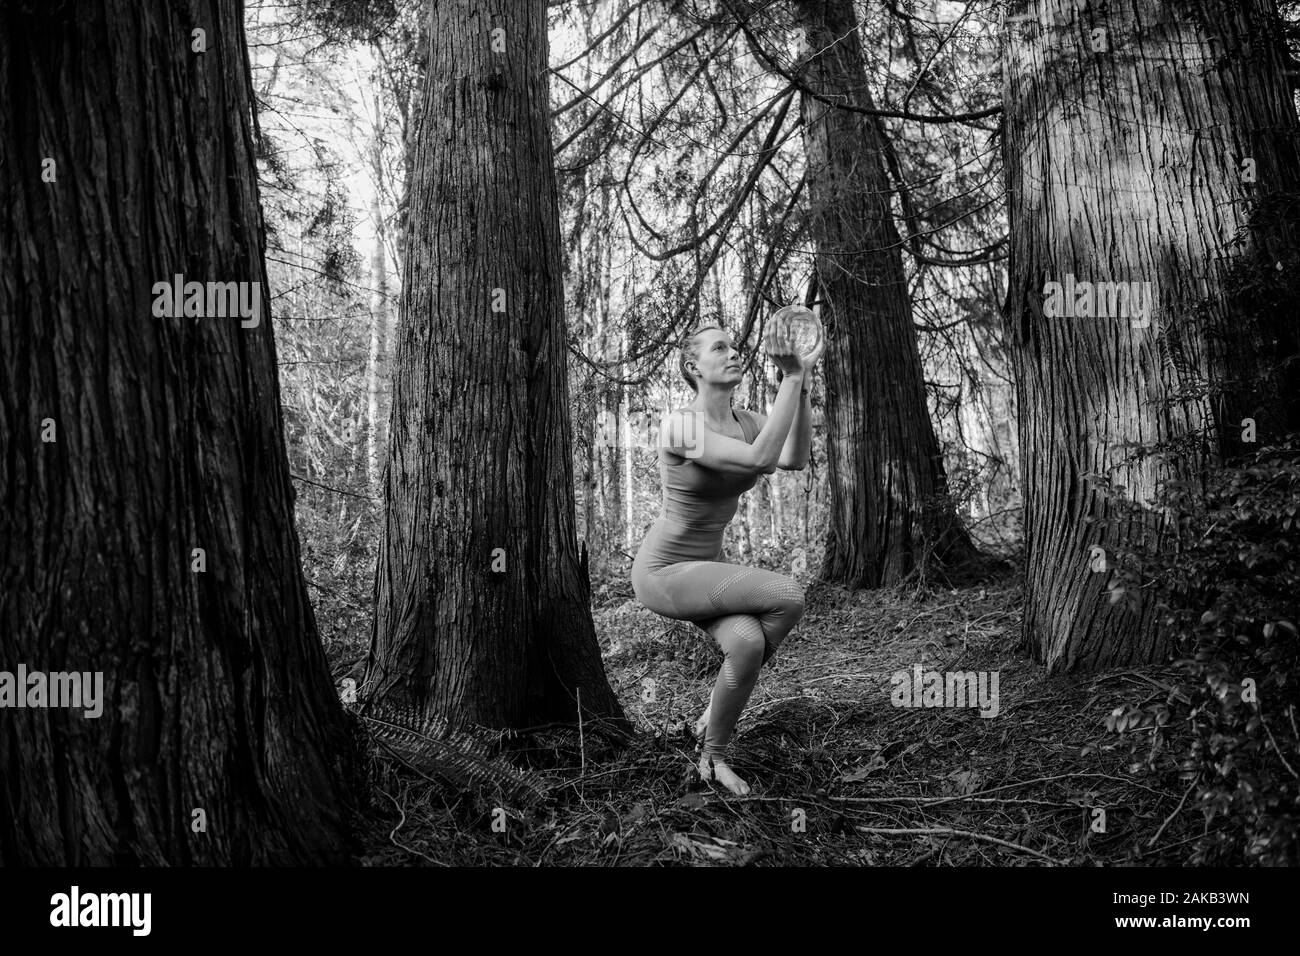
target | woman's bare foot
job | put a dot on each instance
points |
(714, 769)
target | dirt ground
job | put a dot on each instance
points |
(840, 774)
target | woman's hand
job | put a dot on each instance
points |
(788, 364)
(812, 358)
(780, 347)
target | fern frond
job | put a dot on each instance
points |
(460, 756)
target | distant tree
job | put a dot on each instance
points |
(890, 512)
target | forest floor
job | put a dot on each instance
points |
(840, 774)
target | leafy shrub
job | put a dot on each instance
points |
(1226, 584)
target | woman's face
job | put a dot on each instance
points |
(718, 362)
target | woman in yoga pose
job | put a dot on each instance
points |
(709, 454)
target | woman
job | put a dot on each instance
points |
(709, 454)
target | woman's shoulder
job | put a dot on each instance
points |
(671, 431)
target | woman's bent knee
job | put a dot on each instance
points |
(786, 595)
(745, 644)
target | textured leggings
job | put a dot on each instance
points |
(748, 611)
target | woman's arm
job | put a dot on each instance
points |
(685, 435)
(798, 444)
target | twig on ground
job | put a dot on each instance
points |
(1169, 819)
(1276, 748)
(903, 831)
(392, 834)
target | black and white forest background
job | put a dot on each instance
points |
(507, 435)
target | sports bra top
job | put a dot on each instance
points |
(702, 498)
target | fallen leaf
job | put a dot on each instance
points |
(966, 781)
(861, 773)
(711, 848)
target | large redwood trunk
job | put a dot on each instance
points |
(127, 441)
(1127, 135)
(889, 510)
(483, 608)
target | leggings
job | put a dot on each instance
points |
(748, 611)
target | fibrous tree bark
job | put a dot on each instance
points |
(146, 505)
(483, 608)
(890, 513)
(378, 346)
(1142, 138)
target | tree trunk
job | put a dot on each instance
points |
(626, 444)
(378, 336)
(889, 510)
(483, 609)
(591, 334)
(611, 507)
(129, 439)
(1127, 135)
